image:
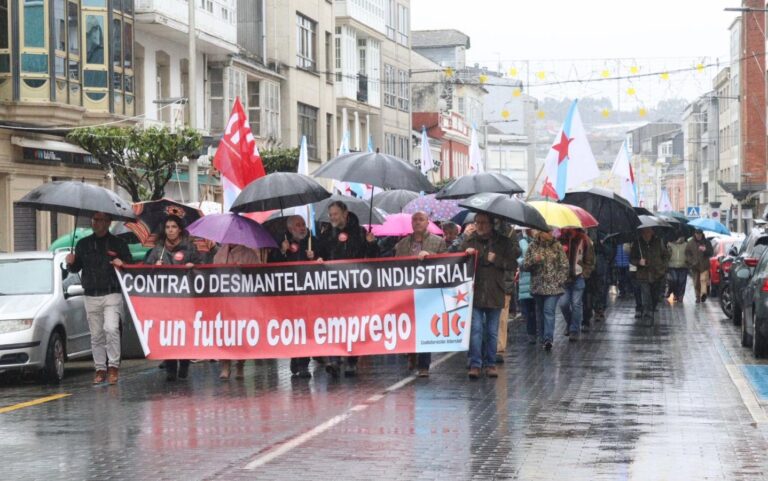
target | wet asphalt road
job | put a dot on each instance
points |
(680, 400)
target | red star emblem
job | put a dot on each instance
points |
(562, 147)
(460, 297)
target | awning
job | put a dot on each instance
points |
(43, 144)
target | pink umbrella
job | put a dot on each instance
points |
(399, 225)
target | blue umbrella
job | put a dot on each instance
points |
(709, 224)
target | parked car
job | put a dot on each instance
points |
(42, 316)
(726, 295)
(741, 270)
(720, 246)
(755, 314)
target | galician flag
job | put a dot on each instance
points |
(427, 163)
(475, 156)
(305, 211)
(665, 205)
(237, 157)
(570, 161)
(622, 168)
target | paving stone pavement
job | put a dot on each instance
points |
(628, 401)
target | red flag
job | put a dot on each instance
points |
(237, 157)
(548, 190)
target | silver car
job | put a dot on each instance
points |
(42, 315)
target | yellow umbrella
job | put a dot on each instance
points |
(557, 215)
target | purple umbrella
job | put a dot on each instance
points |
(435, 209)
(232, 229)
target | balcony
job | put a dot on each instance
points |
(370, 13)
(362, 88)
(215, 24)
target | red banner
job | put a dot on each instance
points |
(342, 308)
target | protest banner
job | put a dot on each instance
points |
(340, 308)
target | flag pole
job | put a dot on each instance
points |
(536, 181)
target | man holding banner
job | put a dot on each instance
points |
(296, 246)
(346, 239)
(421, 243)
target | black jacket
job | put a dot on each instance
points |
(346, 243)
(290, 256)
(93, 256)
(185, 251)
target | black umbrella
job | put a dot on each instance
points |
(468, 185)
(380, 170)
(653, 222)
(279, 190)
(151, 216)
(514, 210)
(361, 208)
(614, 213)
(77, 198)
(642, 211)
(393, 201)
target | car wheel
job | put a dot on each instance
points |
(55, 354)
(759, 340)
(714, 290)
(726, 301)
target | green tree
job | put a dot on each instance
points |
(142, 160)
(280, 159)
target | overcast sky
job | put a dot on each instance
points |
(651, 35)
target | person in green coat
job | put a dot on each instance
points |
(649, 254)
(677, 269)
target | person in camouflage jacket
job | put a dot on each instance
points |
(548, 265)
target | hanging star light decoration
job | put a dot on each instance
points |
(664, 75)
(700, 67)
(483, 78)
(631, 91)
(541, 75)
(512, 72)
(505, 114)
(516, 92)
(634, 70)
(540, 114)
(448, 71)
(605, 73)
(605, 113)
(642, 112)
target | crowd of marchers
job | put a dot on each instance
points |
(523, 274)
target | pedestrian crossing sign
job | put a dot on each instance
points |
(693, 212)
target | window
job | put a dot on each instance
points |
(270, 105)
(361, 43)
(34, 24)
(216, 99)
(391, 19)
(94, 39)
(462, 109)
(308, 128)
(254, 107)
(390, 91)
(117, 50)
(337, 43)
(329, 135)
(403, 147)
(329, 46)
(403, 25)
(128, 45)
(390, 144)
(305, 42)
(403, 97)
(5, 57)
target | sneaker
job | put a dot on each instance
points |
(703, 297)
(350, 371)
(499, 358)
(423, 373)
(491, 372)
(547, 345)
(240, 370)
(294, 367)
(100, 376)
(332, 368)
(112, 375)
(567, 332)
(304, 374)
(474, 373)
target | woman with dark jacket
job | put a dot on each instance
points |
(174, 247)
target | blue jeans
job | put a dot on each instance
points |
(545, 316)
(528, 310)
(484, 337)
(571, 304)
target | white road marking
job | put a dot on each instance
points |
(302, 438)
